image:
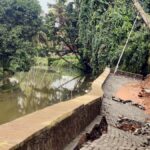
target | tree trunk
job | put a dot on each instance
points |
(142, 13)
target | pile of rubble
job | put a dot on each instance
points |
(126, 124)
(144, 130)
(135, 127)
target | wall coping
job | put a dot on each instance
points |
(15, 132)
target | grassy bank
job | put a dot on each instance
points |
(41, 61)
(57, 61)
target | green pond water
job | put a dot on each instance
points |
(38, 88)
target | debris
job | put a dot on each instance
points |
(139, 106)
(98, 130)
(140, 94)
(148, 140)
(121, 100)
(128, 101)
(117, 99)
(135, 127)
(145, 92)
(147, 143)
(128, 125)
(96, 133)
(82, 140)
(144, 130)
(147, 120)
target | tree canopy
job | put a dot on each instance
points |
(95, 31)
(98, 29)
(19, 21)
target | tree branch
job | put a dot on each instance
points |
(69, 62)
(141, 11)
(70, 48)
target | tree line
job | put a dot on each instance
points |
(95, 31)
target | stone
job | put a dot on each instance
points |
(138, 105)
(127, 101)
(137, 132)
(117, 99)
(126, 124)
(140, 95)
(13, 81)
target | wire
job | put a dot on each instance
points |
(126, 44)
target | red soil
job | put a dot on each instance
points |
(131, 90)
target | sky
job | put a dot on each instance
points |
(44, 4)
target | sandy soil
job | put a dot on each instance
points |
(131, 90)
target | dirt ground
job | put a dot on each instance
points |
(130, 91)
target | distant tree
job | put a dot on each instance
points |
(19, 21)
(104, 26)
(63, 29)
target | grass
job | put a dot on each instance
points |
(41, 61)
(55, 61)
(1, 73)
(62, 63)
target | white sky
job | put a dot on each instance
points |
(45, 2)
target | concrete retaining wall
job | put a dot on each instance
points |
(54, 127)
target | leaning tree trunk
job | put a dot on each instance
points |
(146, 19)
(142, 13)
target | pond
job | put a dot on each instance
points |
(41, 87)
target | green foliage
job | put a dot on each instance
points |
(103, 30)
(137, 53)
(56, 61)
(98, 30)
(19, 21)
(43, 61)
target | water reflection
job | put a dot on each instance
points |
(38, 88)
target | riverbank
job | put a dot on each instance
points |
(55, 60)
(42, 86)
